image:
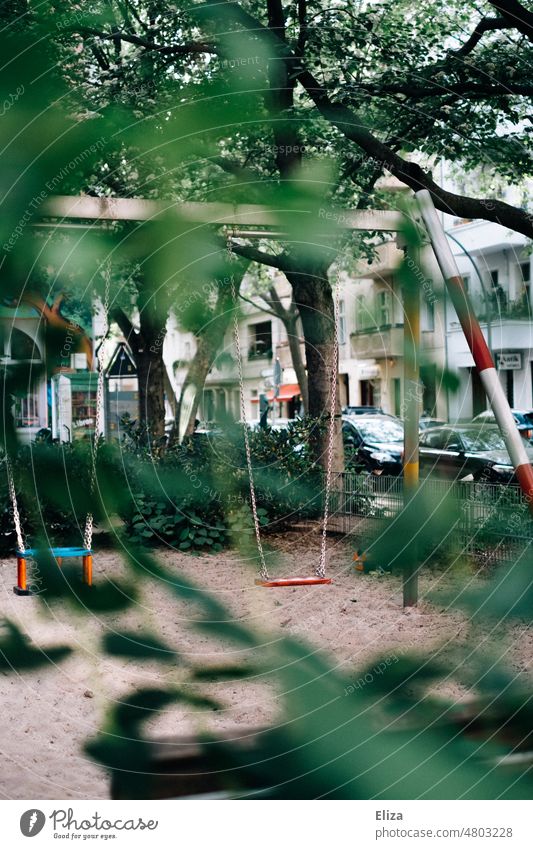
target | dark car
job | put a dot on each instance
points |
(364, 410)
(375, 441)
(467, 452)
(523, 419)
(427, 422)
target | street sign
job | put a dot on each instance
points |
(277, 377)
(263, 410)
(509, 360)
(121, 364)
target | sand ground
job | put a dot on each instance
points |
(48, 714)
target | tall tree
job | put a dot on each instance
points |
(209, 321)
(392, 86)
(146, 341)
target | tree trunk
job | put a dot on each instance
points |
(208, 342)
(298, 364)
(206, 351)
(312, 293)
(147, 347)
(151, 379)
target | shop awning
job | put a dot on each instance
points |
(287, 392)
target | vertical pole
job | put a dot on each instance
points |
(411, 343)
(21, 574)
(88, 569)
(478, 347)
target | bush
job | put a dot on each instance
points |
(196, 495)
(52, 483)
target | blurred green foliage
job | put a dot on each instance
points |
(85, 111)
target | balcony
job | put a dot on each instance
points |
(378, 342)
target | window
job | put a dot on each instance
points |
(350, 434)
(27, 411)
(83, 413)
(525, 274)
(428, 314)
(383, 307)
(342, 323)
(260, 336)
(381, 430)
(397, 395)
(494, 278)
(442, 440)
(361, 313)
(209, 405)
(466, 281)
(20, 346)
(428, 377)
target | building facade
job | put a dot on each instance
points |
(22, 344)
(496, 266)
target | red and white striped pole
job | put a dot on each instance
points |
(478, 346)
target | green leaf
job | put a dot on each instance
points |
(17, 653)
(137, 645)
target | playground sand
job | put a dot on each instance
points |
(47, 714)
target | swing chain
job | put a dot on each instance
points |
(21, 546)
(98, 417)
(263, 571)
(321, 568)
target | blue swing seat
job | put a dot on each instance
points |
(59, 552)
(55, 551)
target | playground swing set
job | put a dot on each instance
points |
(59, 553)
(69, 209)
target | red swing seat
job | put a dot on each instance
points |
(293, 582)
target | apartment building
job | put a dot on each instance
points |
(496, 266)
(263, 340)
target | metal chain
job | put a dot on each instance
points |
(98, 416)
(321, 568)
(21, 546)
(263, 571)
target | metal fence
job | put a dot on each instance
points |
(490, 521)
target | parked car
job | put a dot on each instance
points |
(523, 419)
(427, 422)
(376, 440)
(362, 411)
(467, 452)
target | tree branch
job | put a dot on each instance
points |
(302, 33)
(163, 50)
(410, 173)
(517, 15)
(258, 306)
(468, 89)
(485, 25)
(254, 255)
(353, 127)
(127, 329)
